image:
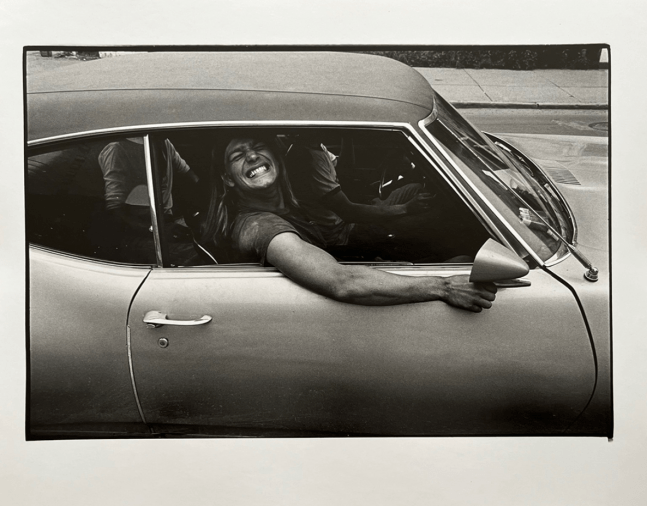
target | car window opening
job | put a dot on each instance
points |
(371, 168)
(91, 198)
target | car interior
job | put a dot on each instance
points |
(66, 207)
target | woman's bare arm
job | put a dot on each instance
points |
(316, 270)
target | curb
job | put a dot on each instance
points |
(527, 105)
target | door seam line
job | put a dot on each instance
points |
(591, 344)
(132, 376)
(130, 356)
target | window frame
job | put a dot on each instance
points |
(61, 143)
(467, 183)
(417, 135)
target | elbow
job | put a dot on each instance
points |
(340, 292)
(346, 287)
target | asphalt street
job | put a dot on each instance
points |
(540, 121)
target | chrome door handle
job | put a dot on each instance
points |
(156, 319)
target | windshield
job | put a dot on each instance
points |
(518, 190)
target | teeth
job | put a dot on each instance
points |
(256, 171)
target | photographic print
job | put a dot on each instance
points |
(318, 242)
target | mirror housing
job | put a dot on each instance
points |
(495, 262)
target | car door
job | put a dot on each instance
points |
(242, 350)
(82, 277)
(277, 358)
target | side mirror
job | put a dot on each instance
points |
(494, 262)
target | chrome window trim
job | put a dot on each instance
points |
(493, 209)
(151, 198)
(255, 270)
(74, 256)
(556, 258)
(455, 184)
(553, 185)
(207, 124)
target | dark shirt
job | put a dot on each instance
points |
(124, 168)
(313, 178)
(252, 232)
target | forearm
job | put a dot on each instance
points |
(316, 270)
(371, 287)
(415, 203)
(360, 213)
(351, 212)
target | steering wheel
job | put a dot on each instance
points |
(395, 168)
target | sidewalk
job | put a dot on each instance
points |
(476, 88)
(524, 89)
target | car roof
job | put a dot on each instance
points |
(164, 88)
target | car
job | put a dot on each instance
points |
(136, 329)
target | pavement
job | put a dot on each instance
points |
(522, 89)
(475, 88)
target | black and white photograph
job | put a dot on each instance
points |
(344, 253)
(317, 243)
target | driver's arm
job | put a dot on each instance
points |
(316, 270)
(323, 181)
(350, 212)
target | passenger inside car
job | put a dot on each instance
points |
(126, 201)
(311, 169)
(254, 209)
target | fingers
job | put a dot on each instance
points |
(489, 296)
(490, 287)
(473, 297)
(421, 203)
(421, 198)
(483, 300)
(479, 306)
(487, 293)
(485, 304)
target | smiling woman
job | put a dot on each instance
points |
(268, 226)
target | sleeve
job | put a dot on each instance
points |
(115, 166)
(179, 165)
(252, 234)
(324, 176)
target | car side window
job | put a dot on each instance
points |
(372, 167)
(381, 168)
(90, 198)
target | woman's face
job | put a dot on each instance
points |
(250, 165)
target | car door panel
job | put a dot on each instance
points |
(79, 371)
(277, 357)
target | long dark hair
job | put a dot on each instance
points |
(222, 206)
